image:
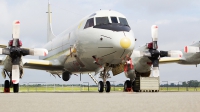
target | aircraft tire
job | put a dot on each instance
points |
(127, 84)
(108, 87)
(100, 86)
(16, 88)
(6, 86)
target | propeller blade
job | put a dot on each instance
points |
(16, 29)
(35, 51)
(154, 34)
(155, 72)
(15, 74)
(4, 51)
(155, 63)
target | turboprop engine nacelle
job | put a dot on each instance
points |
(175, 53)
(129, 70)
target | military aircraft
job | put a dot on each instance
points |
(100, 42)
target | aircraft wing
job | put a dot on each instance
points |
(40, 64)
(36, 64)
(3, 46)
(166, 60)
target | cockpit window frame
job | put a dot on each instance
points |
(108, 18)
(114, 17)
(85, 27)
(125, 19)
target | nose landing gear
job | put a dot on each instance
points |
(104, 84)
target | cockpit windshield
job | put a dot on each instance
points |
(112, 23)
(89, 23)
(102, 20)
(114, 19)
(123, 21)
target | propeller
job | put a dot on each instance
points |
(16, 52)
(153, 53)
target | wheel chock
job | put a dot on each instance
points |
(6, 90)
(128, 89)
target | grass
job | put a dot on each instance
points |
(60, 89)
(70, 88)
(179, 88)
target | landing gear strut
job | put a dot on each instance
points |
(104, 84)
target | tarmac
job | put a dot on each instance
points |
(100, 102)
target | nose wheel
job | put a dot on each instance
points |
(107, 86)
(104, 84)
(101, 86)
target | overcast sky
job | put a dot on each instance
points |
(178, 22)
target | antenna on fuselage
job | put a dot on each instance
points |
(50, 34)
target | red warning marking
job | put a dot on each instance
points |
(125, 67)
(156, 26)
(45, 53)
(149, 63)
(17, 22)
(128, 89)
(180, 56)
(186, 50)
(6, 90)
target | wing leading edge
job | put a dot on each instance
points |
(41, 64)
(166, 60)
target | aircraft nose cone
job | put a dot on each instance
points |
(125, 42)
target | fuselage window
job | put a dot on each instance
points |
(89, 23)
(102, 20)
(123, 21)
(114, 19)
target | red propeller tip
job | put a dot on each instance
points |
(13, 81)
(17, 22)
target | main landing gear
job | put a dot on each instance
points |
(104, 84)
(9, 84)
(127, 86)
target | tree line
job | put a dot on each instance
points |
(191, 83)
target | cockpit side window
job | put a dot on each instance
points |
(123, 21)
(89, 23)
(114, 19)
(102, 20)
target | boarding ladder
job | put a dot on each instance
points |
(93, 78)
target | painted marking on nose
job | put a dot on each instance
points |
(125, 42)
